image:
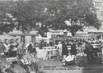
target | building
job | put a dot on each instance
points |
(98, 4)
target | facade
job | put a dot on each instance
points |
(98, 4)
(99, 10)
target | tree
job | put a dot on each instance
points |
(82, 10)
(7, 21)
(7, 24)
(28, 14)
(53, 13)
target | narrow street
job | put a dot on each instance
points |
(56, 67)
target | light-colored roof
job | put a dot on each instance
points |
(90, 29)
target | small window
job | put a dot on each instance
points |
(98, 4)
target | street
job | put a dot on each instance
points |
(56, 67)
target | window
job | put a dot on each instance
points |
(102, 13)
(98, 4)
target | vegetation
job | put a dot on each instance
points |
(51, 14)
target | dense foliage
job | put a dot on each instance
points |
(52, 14)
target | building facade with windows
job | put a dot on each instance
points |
(98, 4)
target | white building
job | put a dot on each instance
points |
(99, 10)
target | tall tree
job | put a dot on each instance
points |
(7, 21)
(53, 13)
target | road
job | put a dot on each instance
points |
(56, 67)
(51, 66)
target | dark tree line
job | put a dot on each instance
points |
(51, 14)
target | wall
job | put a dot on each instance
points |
(99, 10)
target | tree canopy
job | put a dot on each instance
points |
(52, 14)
